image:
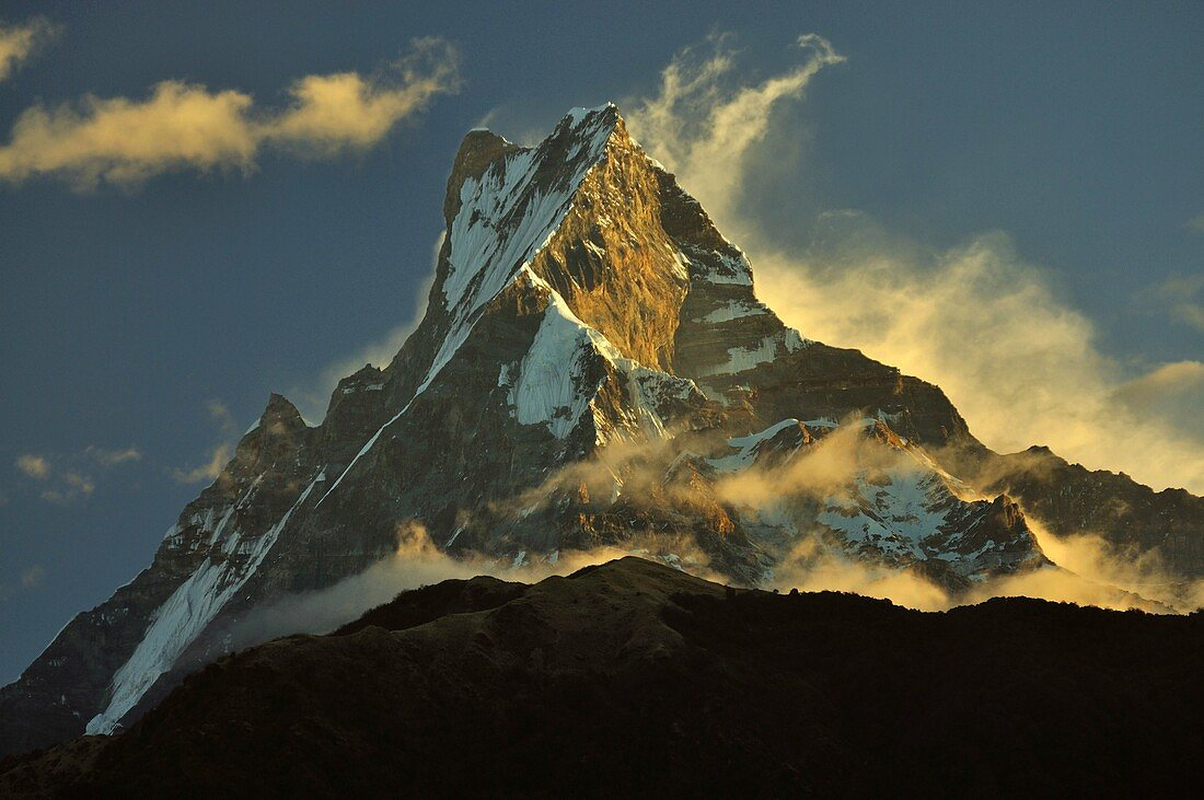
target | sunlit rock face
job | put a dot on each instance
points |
(593, 370)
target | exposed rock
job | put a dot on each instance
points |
(592, 369)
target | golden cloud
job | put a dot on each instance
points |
(19, 42)
(183, 126)
(1021, 364)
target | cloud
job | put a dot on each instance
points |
(819, 472)
(1020, 363)
(32, 577)
(80, 483)
(703, 128)
(69, 482)
(29, 579)
(112, 458)
(183, 126)
(809, 570)
(36, 467)
(417, 561)
(1098, 573)
(1180, 296)
(1171, 391)
(74, 486)
(209, 470)
(220, 414)
(332, 114)
(1196, 224)
(221, 417)
(19, 42)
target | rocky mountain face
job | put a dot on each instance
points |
(634, 679)
(594, 369)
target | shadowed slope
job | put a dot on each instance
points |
(636, 679)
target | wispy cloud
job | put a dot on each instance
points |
(184, 126)
(1020, 363)
(32, 577)
(36, 467)
(703, 123)
(74, 486)
(29, 579)
(220, 416)
(210, 469)
(112, 458)
(19, 42)
(1179, 296)
(68, 477)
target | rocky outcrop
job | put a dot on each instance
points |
(1163, 527)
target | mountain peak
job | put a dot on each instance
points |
(582, 299)
(281, 414)
(481, 147)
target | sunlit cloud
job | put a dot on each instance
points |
(74, 486)
(417, 561)
(219, 414)
(112, 458)
(184, 126)
(209, 470)
(1179, 296)
(68, 475)
(36, 467)
(21, 41)
(29, 578)
(1172, 391)
(979, 320)
(702, 126)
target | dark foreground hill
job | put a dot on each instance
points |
(631, 678)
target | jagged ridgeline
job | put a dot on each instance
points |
(594, 369)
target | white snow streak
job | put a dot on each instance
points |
(181, 619)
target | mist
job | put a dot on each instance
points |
(988, 326)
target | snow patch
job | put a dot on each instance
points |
(180, 619)
(747, 447)
(741, 359)
(728, 270)
(732, 310)
(505, 220)
(553, 386)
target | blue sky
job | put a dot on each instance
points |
(1052, 147)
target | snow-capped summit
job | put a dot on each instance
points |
(594, 369)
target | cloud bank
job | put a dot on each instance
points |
(417, 561)
(1020, 363)
(185, 126)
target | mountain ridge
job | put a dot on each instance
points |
(583, 305)
(630, 677)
